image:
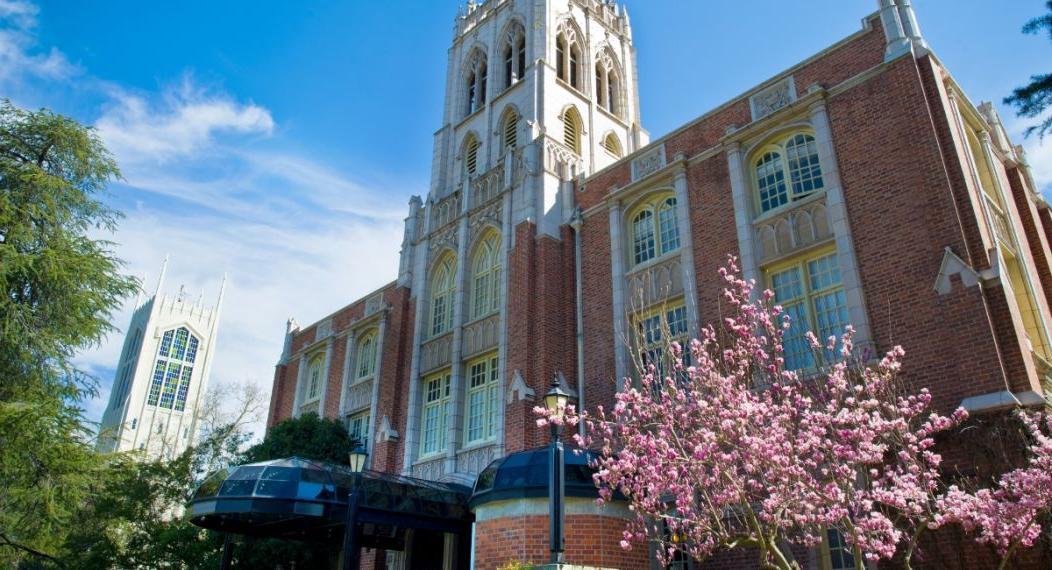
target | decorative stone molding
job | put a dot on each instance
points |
(386, 432)
(374, 304)
(488, 185)
(359, 396)
(446, 238)
(445, 210)
(491, 215)
(431, 470)
(481, 335)
(793, 229)
(655, 283)
(953, 265)
(773, 98)
(649, 162)
(518, 390)
(473, 461)
(324, 330)
(436, 353)
(559, 160)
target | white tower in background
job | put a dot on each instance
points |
(162, 374)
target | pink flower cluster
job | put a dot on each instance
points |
(734, 450)
(1007, 516)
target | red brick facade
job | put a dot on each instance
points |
(931, 262)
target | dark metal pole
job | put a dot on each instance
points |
(556, 494)
(350, 533)
(228, 552)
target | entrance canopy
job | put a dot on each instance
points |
(307, 500)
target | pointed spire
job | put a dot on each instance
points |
(222, 292)
(139, 290)
(160, 280)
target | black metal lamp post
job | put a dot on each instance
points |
(357, 458)
(555, 400)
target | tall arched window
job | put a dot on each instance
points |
(514, 54)
(509, 130)
(315, 382)
(471, 154)
(613, 145)
(787, 170)
(568, 55)
(365, 359)
(442, 295)
(572, 128)
(172, 371)
(475, 76)
(654, 228)
(608, 83)
(485, 277)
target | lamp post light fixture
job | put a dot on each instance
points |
(356, 459)
(556, 400)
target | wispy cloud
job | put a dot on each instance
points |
(20, 57)
(209, 179)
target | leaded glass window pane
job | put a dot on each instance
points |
(184, 388)
(171, 382)
(804, 169)
(166, 342)
(170, 385)
(770, 179)
(436, 410)
(158, 380)
(669, 224)
(643, 236)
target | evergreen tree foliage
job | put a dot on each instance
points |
(306, 436)
(1034, 98)
(60, 286)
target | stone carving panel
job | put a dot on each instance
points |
(432, 470)
(481, 336)
(445, 210)
(473, 461)
(779, 95)
(374, 304)
(488, 216)
(359, 396)
(649, 162)
(488, 185)
(793, 229)
(324, 330)
(436, 353)
(655, 283)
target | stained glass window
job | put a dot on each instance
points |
(170, 385)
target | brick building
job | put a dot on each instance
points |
(861, 185)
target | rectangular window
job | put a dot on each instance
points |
(436, 413)
(811, 292)
(658, 329)
(155, 385)
(482, 400)
(171, 381)
(358, 427)
(839, 554)
(439, 318)
(184, 388)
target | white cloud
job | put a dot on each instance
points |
(184, 121)
(20, 57)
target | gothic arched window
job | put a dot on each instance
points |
(471, 154)
(608, 83)
(509, 130)
(787, 170)
(613, 145)
(513, 53)
(442, 279)
(315, 383)
(172, 371)
(568, 55)
(485, 276)
(366, 356)
(475, 82)
(572, 129)
(654, 228)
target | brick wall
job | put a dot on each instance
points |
(591, 540)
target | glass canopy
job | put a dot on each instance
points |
(526, 473)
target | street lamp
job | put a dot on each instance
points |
(356, 459)
(555, 400)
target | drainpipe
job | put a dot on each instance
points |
(575, 222)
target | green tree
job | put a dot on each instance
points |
(1034, 98)
(60, 287)
(306, 436)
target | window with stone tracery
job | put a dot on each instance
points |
(471, 154)
(173, 369)
(608, 83)
(787, 170)
(513, 52)
(442, 295)
(568, 55)
(509, 130)
(486, 271)
(476, 77)
(654, 228)
(366, 356)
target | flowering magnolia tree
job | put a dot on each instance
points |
(1008, 516)
(735, 450)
